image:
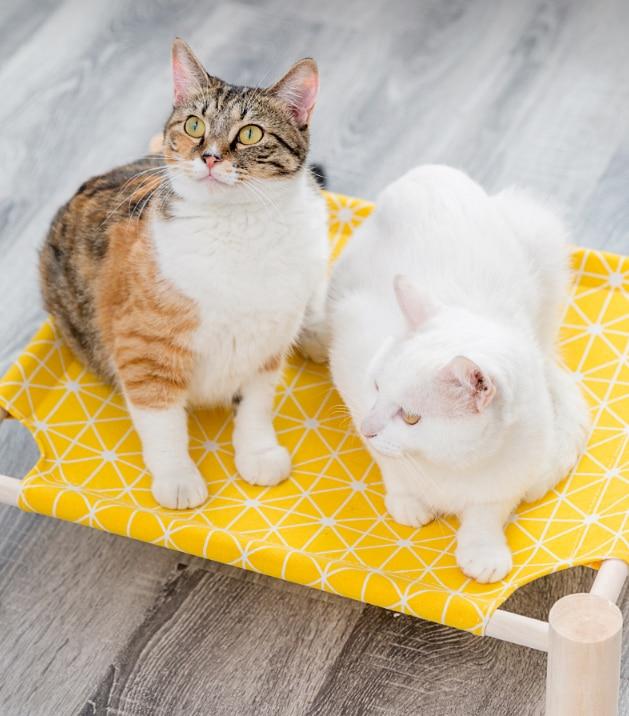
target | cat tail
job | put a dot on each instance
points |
(544, 235)
(319, 174)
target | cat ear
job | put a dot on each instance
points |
(189, 75)
(416, 306)
(477, 385)
(298, 90)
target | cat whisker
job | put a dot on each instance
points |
(148, 198)
(148, 173)
(259, 193)
(340, 410)
(162, 173)
(258, 185)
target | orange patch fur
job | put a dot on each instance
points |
(272, 364)
(146, 323)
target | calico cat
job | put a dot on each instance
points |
(184, 279)
(444, 314)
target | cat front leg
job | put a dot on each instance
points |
(260, 460)
(314, 339)
(154, 373)
(176, 480)
(402, 499)
(482, 551)
(408, 509)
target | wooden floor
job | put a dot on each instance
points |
(535, 93)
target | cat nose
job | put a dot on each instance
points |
(211, 158)
(368, 430)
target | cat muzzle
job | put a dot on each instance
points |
(367, 431)
(378, 418)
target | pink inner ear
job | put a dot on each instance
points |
(303, 109)
(478, 386)
(485, 392)
(181, 83)
(185, 81)
(299, 90)
(188, 73)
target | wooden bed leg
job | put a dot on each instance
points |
(9, 486)
(583, 656)
(10, 490)
(610, 579)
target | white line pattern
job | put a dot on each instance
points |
(326, 526)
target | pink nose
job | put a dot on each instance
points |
(211, 159)
(367, 429)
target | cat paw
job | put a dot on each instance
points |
(180, 490)
(484, 562)
(312, 345)
(268, 466)
(408, 510)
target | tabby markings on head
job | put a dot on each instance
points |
(218, 136)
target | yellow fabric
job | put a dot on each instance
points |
(326, 526)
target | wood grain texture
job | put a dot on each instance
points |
(585, 638)
(279, 635)
(531, 93)
(395, 664)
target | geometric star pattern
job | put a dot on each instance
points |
(326, 526)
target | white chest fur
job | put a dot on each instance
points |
(251, 268)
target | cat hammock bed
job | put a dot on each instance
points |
(326, 526)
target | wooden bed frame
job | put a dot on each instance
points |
(582, 637)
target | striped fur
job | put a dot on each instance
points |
(139, 268)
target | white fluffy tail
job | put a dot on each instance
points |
(571, 428)
(544, 236)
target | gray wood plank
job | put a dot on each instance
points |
(68, 599)
(395, 664)
(20, 19)
(604, 221)
(216, 643)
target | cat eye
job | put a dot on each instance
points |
(410, 418)
(251, 134)
(194, 126)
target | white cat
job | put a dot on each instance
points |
(443, 318)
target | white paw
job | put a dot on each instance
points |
(264, 467)
(312, 345)
(484, 561)
(408, 510)
(181, 489)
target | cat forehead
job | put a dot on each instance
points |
(421, 395)
(225, 102)
(403, 380)
(407, 359)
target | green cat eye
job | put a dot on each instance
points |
(251, 134)
(410, 419)
(194, 126)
